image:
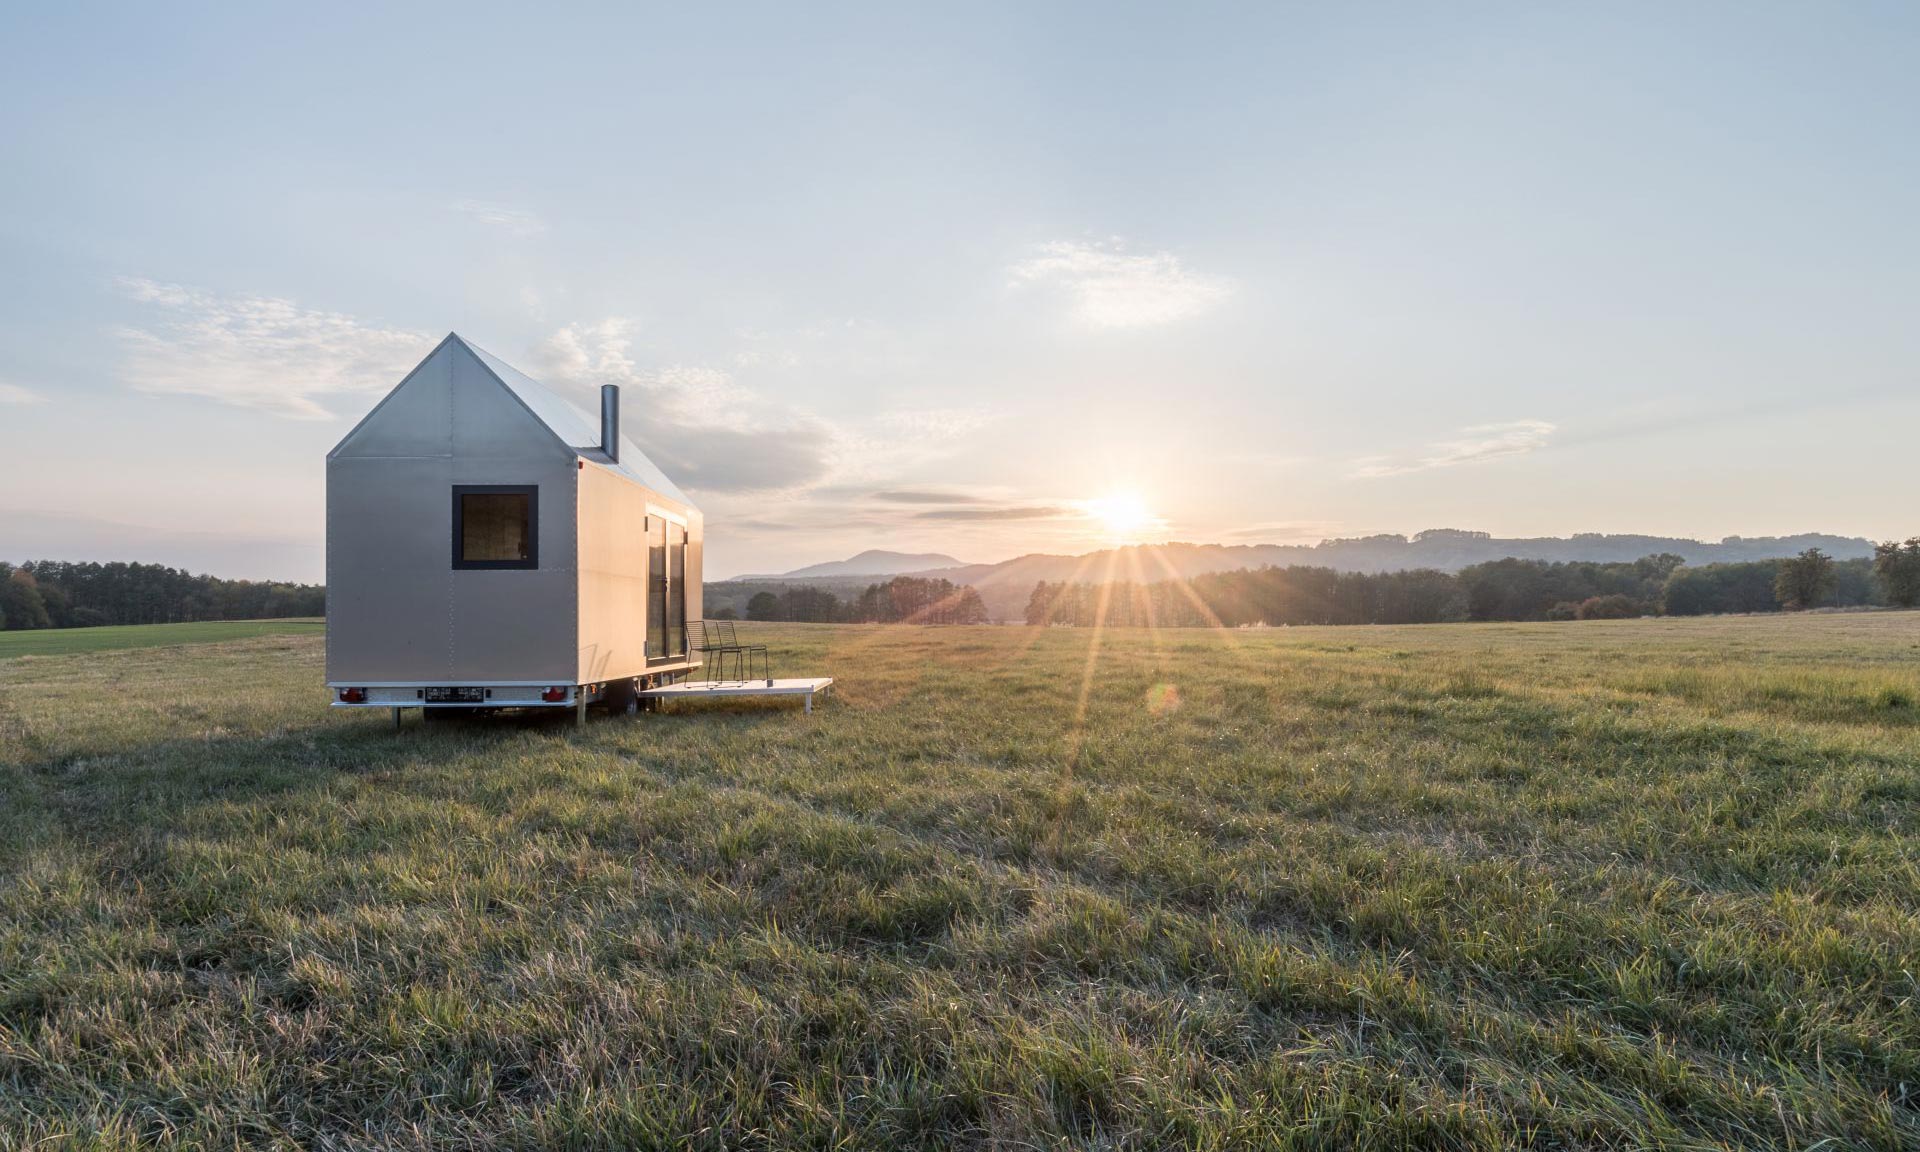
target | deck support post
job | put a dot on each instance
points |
(396, 719)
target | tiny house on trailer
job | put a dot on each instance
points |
(487, 547)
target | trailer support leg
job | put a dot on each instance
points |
(580, 711)
(396, 719)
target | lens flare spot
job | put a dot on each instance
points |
(1163, 699)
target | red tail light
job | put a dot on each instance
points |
(353, 695)
(554, 695)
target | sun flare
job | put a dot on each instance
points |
(1122, 514)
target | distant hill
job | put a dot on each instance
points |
(1005, 586)
(873, 562)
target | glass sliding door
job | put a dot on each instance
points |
(666, 589)
(676, 590)
(657, 587)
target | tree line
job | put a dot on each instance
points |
(901, 600)
(1498, 590)
(57, 594)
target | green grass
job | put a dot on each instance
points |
(1596, 885)
(62, 641)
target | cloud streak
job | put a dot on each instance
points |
(1473, 445)
(704, 430)
(1287, 531)
(896, 444)
(1110, 287)
(927, 498)
(16, 394)
(515, 221)
(259, 352)
(1038, 512)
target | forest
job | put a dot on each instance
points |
(1498, 590)
(901, 600)
(58, 594)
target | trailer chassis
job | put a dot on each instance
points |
(621, 694)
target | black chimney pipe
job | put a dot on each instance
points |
(610, 421)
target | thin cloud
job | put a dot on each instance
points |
(703, 429)
(714, 459)
(713, 434)
(927, 498)
(1473, 445)
(800, 519)
(1287, 531)
(259, 352)
(16, 394)
(1042, 512)
(878, 453)
(934, 423)
(517, 221)
(1113, 288)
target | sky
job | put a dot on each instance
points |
(984, 281)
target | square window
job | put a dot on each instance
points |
(496, 526)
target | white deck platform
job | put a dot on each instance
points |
(709, 689)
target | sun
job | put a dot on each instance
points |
(1122, 514)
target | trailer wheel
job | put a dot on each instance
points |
(621, 698)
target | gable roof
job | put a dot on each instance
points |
(573, 427)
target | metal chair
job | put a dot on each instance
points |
(717, 641)
(746, 651)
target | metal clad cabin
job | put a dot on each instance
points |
(487, 545)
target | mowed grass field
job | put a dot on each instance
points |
(1592, 885)
(60, 641)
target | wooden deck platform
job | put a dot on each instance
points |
(711, 689)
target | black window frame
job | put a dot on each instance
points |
(531, 492)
